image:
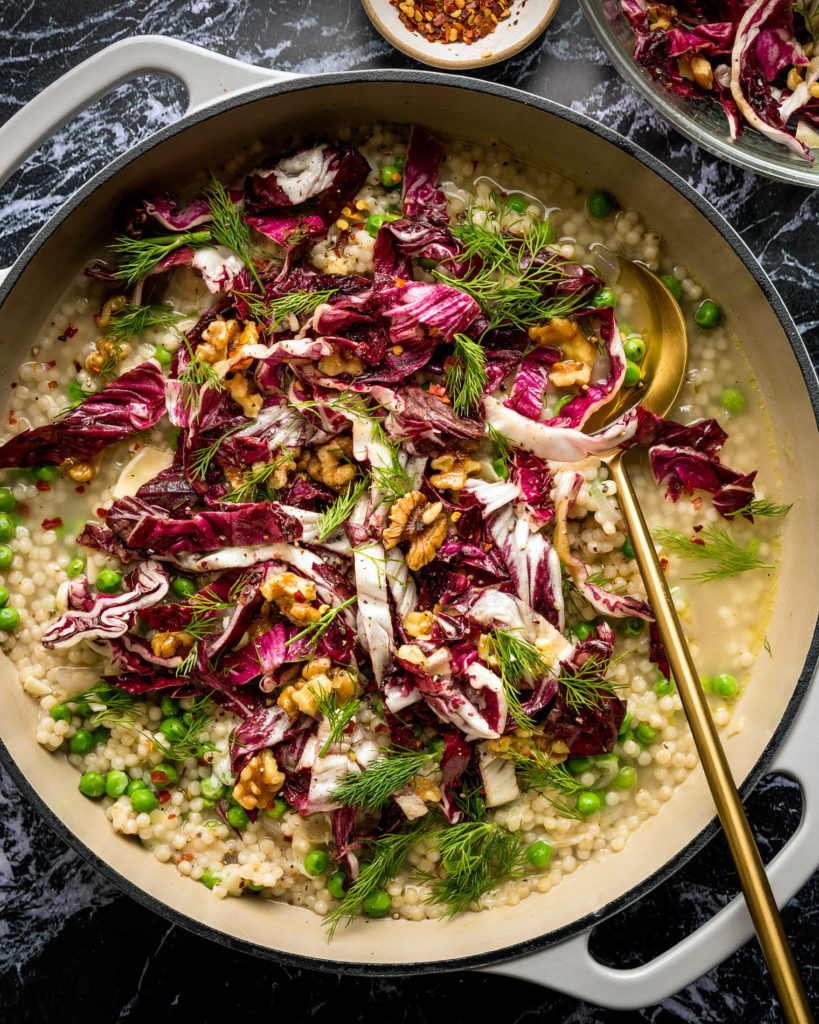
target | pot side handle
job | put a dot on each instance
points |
(569, 967)
(206, 75)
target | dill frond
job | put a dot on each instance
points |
(388, 774)
(341, 509)
(139, 256)
(465, 377)
(316, 630)
(229, 227)
(714, 545)
(338, 716)
(761, 508)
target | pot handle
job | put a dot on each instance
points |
(569, 967)
(206, 75)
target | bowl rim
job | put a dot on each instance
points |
(403, 42)
(753, 267)
(731, 151)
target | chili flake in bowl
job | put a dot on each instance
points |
(460, 33)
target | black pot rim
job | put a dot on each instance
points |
(753, 267)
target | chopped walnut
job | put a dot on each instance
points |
(241, 391)
(111, 306)
(166, 645)
(703, 72)
(341, 361)
(419, 624)
(293, 597)
(427, 790)
(79, 470)
(106, 354)
(663, 16)
(259, 782)
(524, 743)
(485, 651)
(319, 677)
(568, 372)
(412, 518)
(332, 464)
(568, 337)
(453, 469)
(216, 337)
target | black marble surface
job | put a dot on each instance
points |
(71, 946)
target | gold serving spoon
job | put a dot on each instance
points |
(664, 372)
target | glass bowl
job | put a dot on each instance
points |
(701, 122)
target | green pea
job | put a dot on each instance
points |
(517, 204)
(209, 879)
(633, 374)
(501, 468)
(635, 348)
(61, 713)
(599, 205)
(211, 788)
(9, 619)
(4, 597)
(645, 733)
(663, 687)
(172, 729)
(707, 683)
(164, 775)
(316, 862)
(183, 587)
(134, 785)
(6, 556)
(279, 808)
(238, 817)
(116, 783)
(7, 502)
(588, 802)
(169, 707)
(335, 884)
(732, 399)
(539, 854)
(143, 801)
(75, 567)
(578, 765)
(252, 887)
(109, 581)
(373, 223)
(583, 630)
(632, 626)
(92, 785)
(626, 778)
(628, 548)
(605, 297)
(163, 356)
(563, 400)
(673, 285)
(726, 686)
(624, 725)
(390, 176)
(377, 904)
(83, 708)
(45, 474)
(708, 315)
(81, 742)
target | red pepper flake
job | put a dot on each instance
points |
(698, 540)
(664, 564)
(14, 383)
(69, 332)
(400, 282)
(41, 485)
(164, 796)
(23, 510)
(184, 856)
(12, 420)
(697, 503)
(452, 21)
(51, 363)
(53, 384)
(52, 524)
(102, 513)
(171, 817)
(80, 489)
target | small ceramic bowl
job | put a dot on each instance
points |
(528, 18)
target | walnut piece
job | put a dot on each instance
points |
(569, 372)
(413, 519)
(245, 395)
(419, 624)
(319, 677)
(79, 470)
(106, 354)
(213, 348)
(341, 361)
(259, 782)
(293, 596)
(525, 743)
(332, 464)
(166, 645)
(453, 469)
(703, 72)
(111, 306)
(426, 789)
(568, 337)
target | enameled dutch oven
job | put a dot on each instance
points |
(544, 938)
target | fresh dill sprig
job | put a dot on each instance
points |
(503, 446)
(766, 643)
(475, 855)
(465, 376)
(341, 509)
(112, 361)
(206, 616)
(316, 630)
(586, 685)
(718, 547)
(349, 403)
(537, 772)
(229, 227)
(385, 856)
(760, 507)
(274, 311)
(512, 275)
(189, 744)
(203, 457)
(195, 376)
(187, 666)
(392, 480)
(255, 483)
(388, 774)
(338, 716)
(116, 705)
(518, 660)
(139, 256)
(130, 321)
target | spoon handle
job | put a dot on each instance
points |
(752, 877)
